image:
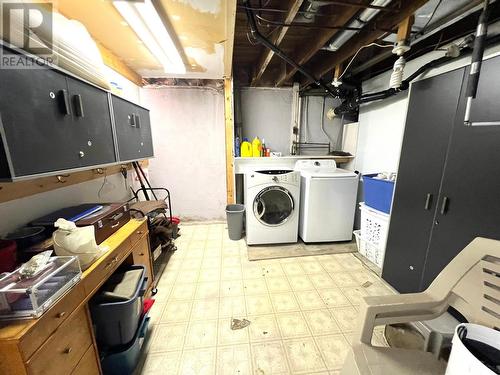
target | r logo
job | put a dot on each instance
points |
(23, 23)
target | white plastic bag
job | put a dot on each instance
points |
(77, 241)
(463, 361)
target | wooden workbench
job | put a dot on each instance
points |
(62, 340)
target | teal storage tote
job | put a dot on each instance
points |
(378, 193)
(124, 360)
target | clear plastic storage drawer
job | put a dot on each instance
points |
(22, 297)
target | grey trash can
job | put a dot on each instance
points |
(234, 214)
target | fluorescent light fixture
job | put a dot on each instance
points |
(147, 24)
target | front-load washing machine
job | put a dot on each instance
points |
(327, 201)
(272, 201)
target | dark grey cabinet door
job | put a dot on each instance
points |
(471, 180)
(92, 124)
(146, 143)
(431, 110)
(36, 119)
(133, 130)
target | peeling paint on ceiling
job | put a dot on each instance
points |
(200, 25)
(211, 62)
(204, 6)
(210, 65)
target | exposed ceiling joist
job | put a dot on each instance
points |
(446, 21)
(267, 55)
(314, 45)
(404, 29)
(326, 64)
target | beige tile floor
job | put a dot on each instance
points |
(302, 310)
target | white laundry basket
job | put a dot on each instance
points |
(368, 250)
(373, 234)
(374, 225)
(462, 361)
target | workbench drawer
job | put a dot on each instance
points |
(51, 320)
(139, 233)
(107, 266)
(61, 353)
(141, 256)
(88, 365)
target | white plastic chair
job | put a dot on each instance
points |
(470, 283)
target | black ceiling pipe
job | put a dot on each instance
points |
(335, 92)
(352, 104)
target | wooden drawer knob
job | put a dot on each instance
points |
(141, 254)
(62, 314)
(67, 350)
(140, 232)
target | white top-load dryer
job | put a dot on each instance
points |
(272, 206)
(327, 201)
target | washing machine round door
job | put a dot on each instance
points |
(273, 206)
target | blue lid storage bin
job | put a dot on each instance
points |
(378, 193)
(116, 317)
(124, 360)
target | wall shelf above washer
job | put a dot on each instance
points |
(243, 165)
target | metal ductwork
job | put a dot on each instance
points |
(365, 16)
(311, 7)
(309, 10)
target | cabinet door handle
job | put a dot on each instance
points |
(67, 350)
(137, 120)
(444, 205)
(131, 120)
(428, 201)
(78, 105)
(66, 105)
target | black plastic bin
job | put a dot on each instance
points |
(115, 312)
(123, 361)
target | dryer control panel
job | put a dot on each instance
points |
(290, 178)
(277, 176)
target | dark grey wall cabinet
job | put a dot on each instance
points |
(448, 178)
(431, 110)
(37, 127)
(92, 123)
(133, 130)
(469, 205)
(51, 122)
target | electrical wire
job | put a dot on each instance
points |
(253, 43)
(103, 183)
(358, 51)
(439, 41)
(431, 17)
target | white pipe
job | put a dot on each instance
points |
(366, 15)
(295, 115)
(306, 118)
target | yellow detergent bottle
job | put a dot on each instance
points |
(256, 147)
(246, 148)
